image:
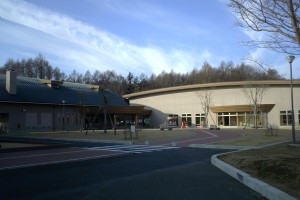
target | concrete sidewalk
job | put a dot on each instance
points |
(259, 186)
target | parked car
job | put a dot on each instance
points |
(214, 127)
(167, 126)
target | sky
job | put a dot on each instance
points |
(137, 36)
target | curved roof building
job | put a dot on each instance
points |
(38, 91)
(30, 104)
(225, 104)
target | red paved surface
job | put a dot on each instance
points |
(201, 137)
(50, 156)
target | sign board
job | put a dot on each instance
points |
(132, 129)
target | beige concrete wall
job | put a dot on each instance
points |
(163, 104)
(282, 99)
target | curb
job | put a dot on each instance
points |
(209, 146)
(261, 187)
(240, 148)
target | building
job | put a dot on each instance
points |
(30, 104)
(229, 105)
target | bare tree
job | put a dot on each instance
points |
(39, 67)
(48, 72)
(58, 75)
(112, 81)
(74, 77)
(206, 98)
(40, 64)
(278, 18)
(87, 78)
(96, 77)
(29, 69)
(254, 92)
(271, 74)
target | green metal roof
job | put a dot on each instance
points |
(37, 91)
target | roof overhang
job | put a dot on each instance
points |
(127, 110)
(241, 108)
(210, 86)
(121, 110)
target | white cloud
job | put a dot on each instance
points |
(276, 61)
(72, 44)
(81, 45)
(155, 15)
(254, 35)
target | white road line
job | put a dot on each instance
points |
(45, 154)
(61, 161)
(212, 136)
(194, 139)
(132, 148)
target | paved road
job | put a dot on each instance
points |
(181, 173)
(202, 136)
(83, 150)
(29, 158)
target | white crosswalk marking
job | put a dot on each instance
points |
(133, 148)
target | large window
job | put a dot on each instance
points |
(285, 118)
(200, 120)
(299, 117)
(187, 118)
(227, 119)
(241, 119)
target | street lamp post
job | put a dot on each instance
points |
(290, 59)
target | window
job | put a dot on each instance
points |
(242, 117)
(285, 118)
(227, 119)
(187, 118)
(200, 119)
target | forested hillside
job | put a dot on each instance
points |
(39, 67)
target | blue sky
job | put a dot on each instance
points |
(138, 36)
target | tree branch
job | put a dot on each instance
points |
(277, 18)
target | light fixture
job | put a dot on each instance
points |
(290, 59)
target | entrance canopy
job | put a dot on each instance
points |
(241, 108)
(121, 110)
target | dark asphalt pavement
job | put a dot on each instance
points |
(73, 143)
(183, 173)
